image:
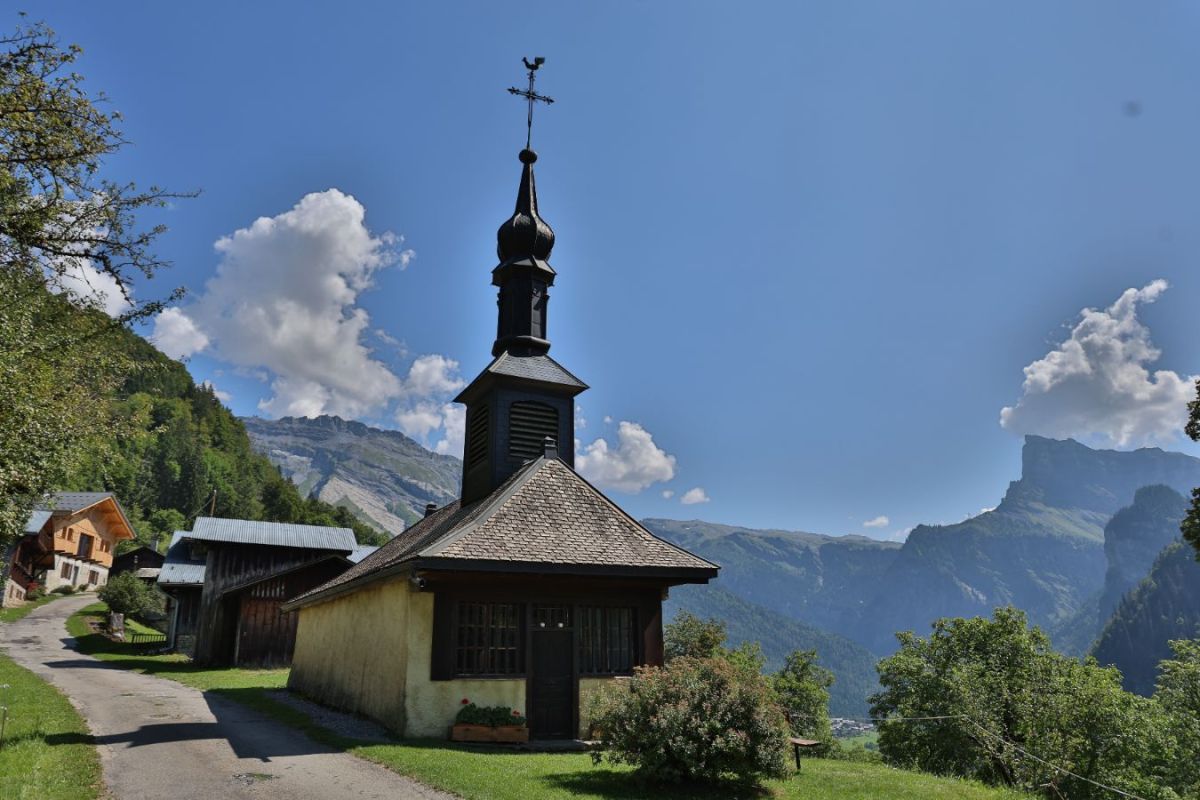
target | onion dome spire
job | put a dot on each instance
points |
(525, 233)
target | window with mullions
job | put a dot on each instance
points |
(607, 640)
(488, 639)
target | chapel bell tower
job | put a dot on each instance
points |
(524, 397)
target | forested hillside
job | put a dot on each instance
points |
(173, 444)
(1163, 607)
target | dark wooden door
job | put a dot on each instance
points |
(552, 685)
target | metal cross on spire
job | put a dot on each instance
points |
(531, 96)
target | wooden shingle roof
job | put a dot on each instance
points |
(543, 518)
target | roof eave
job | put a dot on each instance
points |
(673, 574)
(394, 571)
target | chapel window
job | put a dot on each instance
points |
(607, 640)
(488, 639)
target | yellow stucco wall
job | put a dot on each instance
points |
(369, 652)
(352, 652)
(431, 705)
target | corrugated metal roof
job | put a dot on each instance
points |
(179, 569)
(361, 552)
(272, 534)
(36, 520)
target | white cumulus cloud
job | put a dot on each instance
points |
(634, 464)
(668, 494)
(693, 496)
(176, 334)
(1097, 385)
(284, 299)
(454, 423)
(878, 522)
(431, 375)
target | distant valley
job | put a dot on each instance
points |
(1067, 543)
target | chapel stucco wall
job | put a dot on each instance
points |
(352, 652)
(431, 705)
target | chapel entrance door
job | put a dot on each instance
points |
(552, 682)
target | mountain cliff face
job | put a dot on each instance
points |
(1041, 549)
(384, 477)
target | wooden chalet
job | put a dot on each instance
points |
(227, 578)
(532, 589)
(67, 541)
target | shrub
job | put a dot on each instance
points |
(36, 593)
(697, 719)
(64, 589)
(127, 595)
(492, 716)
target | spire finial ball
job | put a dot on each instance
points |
(527, 156)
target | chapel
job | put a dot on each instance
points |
(526, 592)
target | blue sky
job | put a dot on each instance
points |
(808, 249)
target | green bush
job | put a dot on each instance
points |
(127, 595)
(803, 690)
(697, 719)
(64, 589)
(36, 593)
(492, 716)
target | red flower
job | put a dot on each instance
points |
(465, 701)
(516, 713)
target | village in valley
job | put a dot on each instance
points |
(260, 540)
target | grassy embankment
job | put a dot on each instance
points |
(480, 773)
(21, 611)
(41, 757)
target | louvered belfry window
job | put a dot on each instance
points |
(477, 435)
(529, 424)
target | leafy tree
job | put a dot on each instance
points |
(803, 690)
(58, 216)
(1178, 693)
(688, 635)
(987, 699)
(1191, 523)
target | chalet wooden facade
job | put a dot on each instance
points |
(227, 579)
(68, 541)
(530, 590)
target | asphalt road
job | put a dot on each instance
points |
(160, 739)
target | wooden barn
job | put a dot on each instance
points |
(181, 578)
(228, 577)
(530, 591)
(144, 562)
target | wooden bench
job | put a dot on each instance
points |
(798, 743)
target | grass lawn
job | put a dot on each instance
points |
(480, 773)
(32, 766)
(18, 612)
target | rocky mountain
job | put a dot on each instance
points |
(384, 477)
(1042, 549)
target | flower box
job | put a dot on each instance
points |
(466, 732)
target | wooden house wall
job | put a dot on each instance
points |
(229, 569)
(266, 637)
(186, 618)
(141, 558)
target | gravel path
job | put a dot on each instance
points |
(158, 738)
